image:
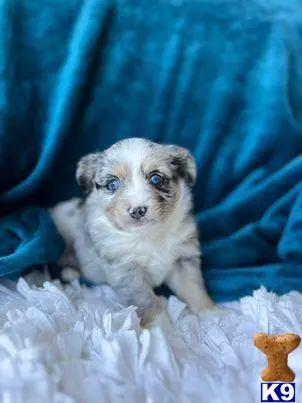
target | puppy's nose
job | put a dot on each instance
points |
(138, 212)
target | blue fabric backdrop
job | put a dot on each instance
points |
(223, 78)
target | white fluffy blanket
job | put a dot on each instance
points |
(74, 344)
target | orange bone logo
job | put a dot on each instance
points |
(276, 349)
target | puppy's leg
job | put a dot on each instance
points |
(134, 289)
(187, 283)
(66, 216)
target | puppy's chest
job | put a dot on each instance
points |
(155, 257)
(157, 260)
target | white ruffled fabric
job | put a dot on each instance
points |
(67, 344)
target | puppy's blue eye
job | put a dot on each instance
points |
(113, 185)
(156, 179)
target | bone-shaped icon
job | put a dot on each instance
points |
(276, 349)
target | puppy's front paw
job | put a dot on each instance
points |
(161, 320)
(206, 305)
(211, 308)
(68, 274)
(203, 304)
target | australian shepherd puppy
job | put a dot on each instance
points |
(133, 229)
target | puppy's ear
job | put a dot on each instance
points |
(86, 171)
(183, 163)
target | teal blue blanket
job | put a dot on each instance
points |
(223, 78)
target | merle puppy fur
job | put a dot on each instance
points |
(134, 228)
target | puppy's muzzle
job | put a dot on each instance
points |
(138, 212)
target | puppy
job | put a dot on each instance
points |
(134, 228)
